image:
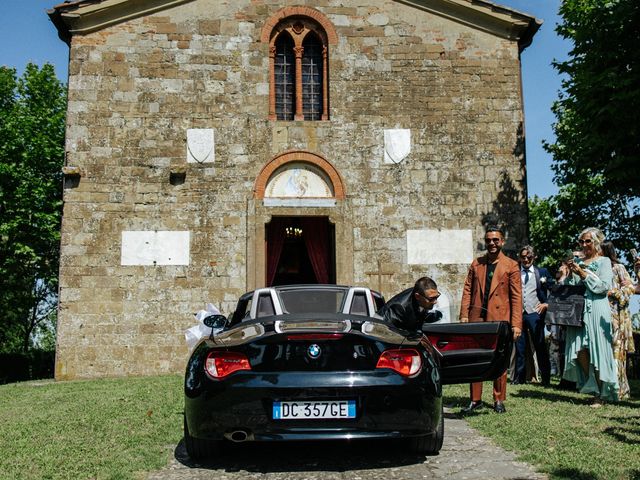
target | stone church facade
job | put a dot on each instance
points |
(215, 147)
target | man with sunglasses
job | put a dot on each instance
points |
(535, 282)
(492, 292)
(414, 306)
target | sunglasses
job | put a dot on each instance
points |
(526, 257)
(430, 299)
(587, 241)
(492, 240)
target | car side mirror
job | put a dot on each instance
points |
(215, 321)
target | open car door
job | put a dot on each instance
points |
(471, 352)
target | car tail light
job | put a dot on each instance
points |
(220, 364)
(406, 362)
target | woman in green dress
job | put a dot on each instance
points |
(588, 352)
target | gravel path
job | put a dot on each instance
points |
(465, 456)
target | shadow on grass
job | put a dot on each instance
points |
(333, 456)
(575, 474)
(627, 429)
(556, 395)
(549, 394)
(456, 403)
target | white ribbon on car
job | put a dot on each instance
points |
(196, 333)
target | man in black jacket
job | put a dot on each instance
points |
(414, 306)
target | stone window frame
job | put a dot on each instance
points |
(298, 22)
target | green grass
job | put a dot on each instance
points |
(121, 428)
(102, 429)
(559, 432)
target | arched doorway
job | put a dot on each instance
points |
(300, 250)
(299, 215)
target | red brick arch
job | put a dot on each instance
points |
(270, 24)
(299, 156)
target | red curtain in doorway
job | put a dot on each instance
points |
(275, 241)
(316, 236)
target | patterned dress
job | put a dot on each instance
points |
(619, 298)
(595, 335)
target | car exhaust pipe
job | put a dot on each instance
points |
(238, 436)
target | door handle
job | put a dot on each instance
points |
(442, 343)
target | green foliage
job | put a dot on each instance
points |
(31, 365)
(597, 149)
(550, 239)
(32, 122)
(558, 431)
(110, 428)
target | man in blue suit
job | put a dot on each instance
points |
(535, 283)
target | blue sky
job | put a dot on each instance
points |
(541, 84)
(27, 34)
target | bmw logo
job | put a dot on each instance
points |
(314, 351)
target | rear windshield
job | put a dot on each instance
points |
(313, 301)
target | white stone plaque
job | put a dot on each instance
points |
(200, 145)
(155, 248)
(397, 145)
(431, 247)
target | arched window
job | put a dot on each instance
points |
(312, 68)
(298, 70)
(285, 77)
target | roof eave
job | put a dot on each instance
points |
(527, 35)
(79, 17)
(63, 31)
(85, 16)
(484, 15)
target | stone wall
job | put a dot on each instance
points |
(135, 89)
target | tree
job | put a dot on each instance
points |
(544, 232)
(32, 122)
(597, 149)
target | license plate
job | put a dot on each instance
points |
(312, 410)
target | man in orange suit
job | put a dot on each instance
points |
(492, 293)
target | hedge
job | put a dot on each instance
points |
(18, 367)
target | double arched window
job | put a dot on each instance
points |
(298, 69)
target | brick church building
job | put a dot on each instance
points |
(214, 147)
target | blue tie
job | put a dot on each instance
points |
(526, 276)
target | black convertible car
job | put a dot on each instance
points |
(315, 362)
